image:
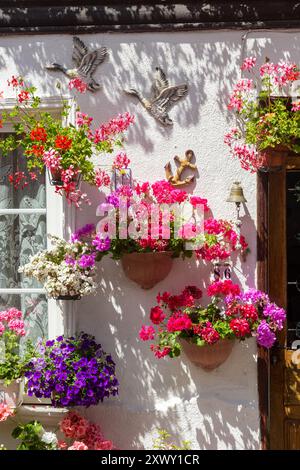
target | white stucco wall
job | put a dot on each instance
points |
(217, 410)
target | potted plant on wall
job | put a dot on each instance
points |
(151, 224)
(71, 371)
(68, 270)
(51, 141)
(207, 333)
(12, 329)
(268, 120)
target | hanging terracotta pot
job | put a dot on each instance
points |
(274, 158)
(68, 297)
(147, 269)
(209, 356)
(11, 394)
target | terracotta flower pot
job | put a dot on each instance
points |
(147, 269)
(209, 356)
(274, 158)
(11, 394)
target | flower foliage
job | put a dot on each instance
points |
(164, 442)
(11, 330)
(71, 371)
(34, 437)
(229, 314)
(266, 116)
(52, 142)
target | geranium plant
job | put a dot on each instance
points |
(71, 371)
(229, 314)
(78, 434)
(216, 239)
(53, 142)
(12, 329)
(266, 114)
(82, 434)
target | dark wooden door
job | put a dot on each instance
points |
(283, 285)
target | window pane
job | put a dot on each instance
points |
(35, 312)
(21, 236)
(32, 196)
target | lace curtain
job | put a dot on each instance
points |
(21, 236)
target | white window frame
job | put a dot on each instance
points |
(60, 221)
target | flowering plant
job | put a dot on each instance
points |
(78, 432)
(157, 217)
(11, 330)
(34, 437)
(5, 412)
(71, 371)
(163, 442)
(66, 269)
(84, 434)
(266, 115)
(229, 314)
(53, 142)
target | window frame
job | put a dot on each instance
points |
(60, 314)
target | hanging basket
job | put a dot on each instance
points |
(11, 394)
(55, 178)
(210, 356)
(147, 269)
(68, 297)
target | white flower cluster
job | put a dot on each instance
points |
(49, 438)
(60, 278)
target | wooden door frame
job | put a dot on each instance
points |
(272, 278)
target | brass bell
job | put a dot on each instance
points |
(236, 194)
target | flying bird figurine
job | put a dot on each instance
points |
(163, 97)
(85, 62)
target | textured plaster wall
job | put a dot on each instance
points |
(217, 410)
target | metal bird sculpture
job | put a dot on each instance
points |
(163, 97)
(85, 63)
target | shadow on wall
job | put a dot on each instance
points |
(199, 60)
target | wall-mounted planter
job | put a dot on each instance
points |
(11, 394)
(68, 297)
(274, 158)
(147, 269)
(210, 356)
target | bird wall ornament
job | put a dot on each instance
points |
(184, 163)
(164, 96)
(85, 62)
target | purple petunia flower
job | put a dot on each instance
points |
(72, 372)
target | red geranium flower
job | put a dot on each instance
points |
(38, 133)
(37, 150)
(63, 142)
(157, 315)
(240, 327)
(23, 96)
